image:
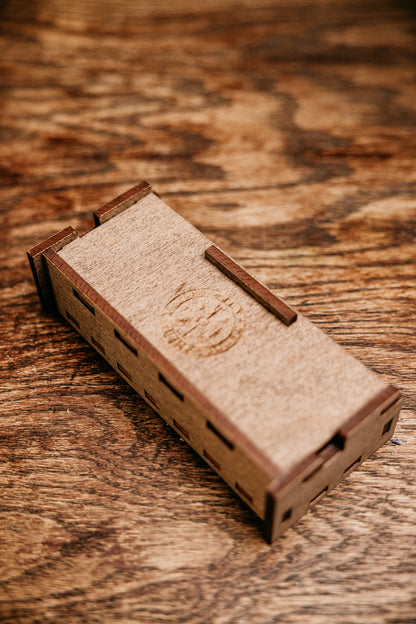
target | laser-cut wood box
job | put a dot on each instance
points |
(276, 407)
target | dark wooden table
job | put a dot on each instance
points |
(286, 132)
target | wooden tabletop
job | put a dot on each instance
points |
(285, 131)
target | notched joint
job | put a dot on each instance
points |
(120, 203)
(337, 441)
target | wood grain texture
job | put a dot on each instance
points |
(286, 133)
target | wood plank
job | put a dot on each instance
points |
(267, 378)
(284, 131)
(124, 201)
(260, 293)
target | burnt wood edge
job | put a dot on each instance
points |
(39, 271)
(164, 366)
(251, 285)
(383, 401)
(120, 203)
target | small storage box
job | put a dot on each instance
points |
(270, 402)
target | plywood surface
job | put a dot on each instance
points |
(286, 133)
(287, 389)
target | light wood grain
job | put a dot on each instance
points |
(286, 133)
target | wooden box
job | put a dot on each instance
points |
(276, 407)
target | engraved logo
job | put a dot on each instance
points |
(202, 322)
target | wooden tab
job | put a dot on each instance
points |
(40, 275)
(252, 286)
(120, 203)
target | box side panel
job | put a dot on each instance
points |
(158, 384)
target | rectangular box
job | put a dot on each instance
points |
(270, 402)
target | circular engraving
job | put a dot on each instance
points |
(202, 322)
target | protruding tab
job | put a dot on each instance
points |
(120, 203)
(40, 274)
(252, 286)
